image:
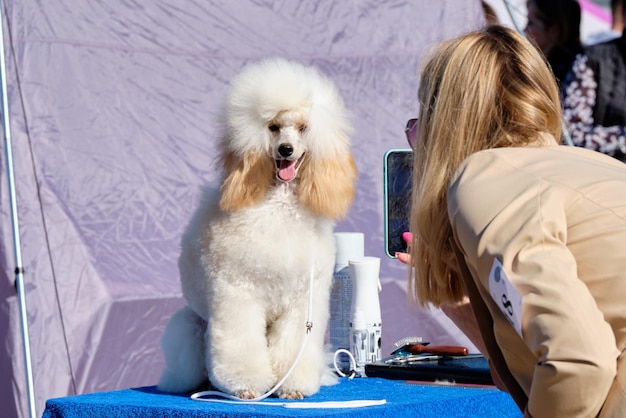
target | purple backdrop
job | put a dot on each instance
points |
(113, 107)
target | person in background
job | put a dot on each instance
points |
(617, 25)
(594, 97)
(554, 26)
(518, 239)
(617, 16)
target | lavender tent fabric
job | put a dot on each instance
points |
(113, 117)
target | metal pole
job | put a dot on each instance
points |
(19, 270)
(564, 133)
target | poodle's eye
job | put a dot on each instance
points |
(303, 128)
(274, 128)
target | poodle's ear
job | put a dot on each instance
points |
(247, 180)
(327, 186)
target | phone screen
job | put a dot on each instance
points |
(398, 172)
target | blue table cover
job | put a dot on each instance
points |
(402, 399)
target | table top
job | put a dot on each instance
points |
(402, 398)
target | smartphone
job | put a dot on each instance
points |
(398, 175)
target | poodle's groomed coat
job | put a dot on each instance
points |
(250, 250)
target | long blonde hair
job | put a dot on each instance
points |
(485, 89)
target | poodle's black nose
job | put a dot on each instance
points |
(285, 150)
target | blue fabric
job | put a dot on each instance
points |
(403, 399)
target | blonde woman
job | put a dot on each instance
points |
(539, 228)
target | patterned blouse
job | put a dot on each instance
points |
(579, 99)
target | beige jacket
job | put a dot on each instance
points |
(555, 219)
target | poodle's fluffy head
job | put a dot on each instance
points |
(286, 122)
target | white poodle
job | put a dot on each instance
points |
(249, 251)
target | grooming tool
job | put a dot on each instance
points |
(407, 359)
(408, 340)
(415, 345)
(442, 350)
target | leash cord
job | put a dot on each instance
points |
(352, 372)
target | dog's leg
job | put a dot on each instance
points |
(285, 339)
(237, 355)
(183, 347)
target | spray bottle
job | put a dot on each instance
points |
(365, 320)
(350, 246)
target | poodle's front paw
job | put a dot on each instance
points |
(247, 394)
(247, 381)
(290, 394)
(300, 385)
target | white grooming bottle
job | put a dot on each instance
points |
(350, 246)
(366, 322)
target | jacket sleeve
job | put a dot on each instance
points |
(522, 222)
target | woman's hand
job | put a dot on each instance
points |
(405, 257)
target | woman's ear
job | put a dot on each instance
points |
(247, 180)
(327, 186)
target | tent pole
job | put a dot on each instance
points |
(564, 133)
(19, 270)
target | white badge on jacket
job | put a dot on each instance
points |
(505, 295)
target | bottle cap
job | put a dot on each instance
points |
(350, 246)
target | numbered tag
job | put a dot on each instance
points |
(505, 295)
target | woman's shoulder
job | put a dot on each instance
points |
(531, 158)
(488, 171)
(502, 160)
(501, 171)
(485, 173)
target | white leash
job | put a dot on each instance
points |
(352, 371)
(230, 399)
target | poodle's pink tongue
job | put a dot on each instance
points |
(286, 170)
